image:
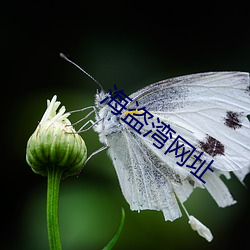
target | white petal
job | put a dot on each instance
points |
(51, 114)
(200, 228)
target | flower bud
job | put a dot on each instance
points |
(55, 144)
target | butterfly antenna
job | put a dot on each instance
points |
(90, 76)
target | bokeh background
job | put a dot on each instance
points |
(130, 44)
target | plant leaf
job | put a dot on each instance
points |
(117, 234)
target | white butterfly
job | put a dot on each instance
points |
(209, 111)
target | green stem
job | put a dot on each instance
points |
(54, 177)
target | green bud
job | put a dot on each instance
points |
(55, 144)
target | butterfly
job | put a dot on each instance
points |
(175, 135)
(208, 110)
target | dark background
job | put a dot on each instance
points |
(130, 44)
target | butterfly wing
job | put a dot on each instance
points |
(150, 180)
(209, 109)
(138, 170)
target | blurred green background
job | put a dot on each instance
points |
(120, 43)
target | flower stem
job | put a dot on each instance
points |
(54, 177)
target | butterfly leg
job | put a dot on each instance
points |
(95, 152)
(86, 116)
(91, 155)
(80, 130)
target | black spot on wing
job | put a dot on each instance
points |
(248, 117)
(233, 119)
(212, 146)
